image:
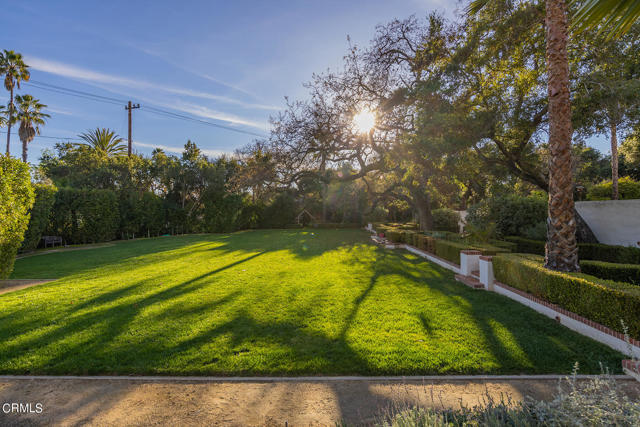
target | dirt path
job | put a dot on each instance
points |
(65, 249)
(17, 284)
(140, 402)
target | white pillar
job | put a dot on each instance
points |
(486, 272)
(469, 261)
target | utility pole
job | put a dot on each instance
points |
(130, 107)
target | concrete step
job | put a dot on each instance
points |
(469, 281)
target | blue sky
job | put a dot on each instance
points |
(228, 62)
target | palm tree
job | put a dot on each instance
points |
(14, 70)
(561, 248)
(103, 141)
(31, 117)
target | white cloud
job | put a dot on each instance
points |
(78, 73)
(202, 111)
(59, 111)
(179, 150)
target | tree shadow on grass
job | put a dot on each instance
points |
(520, 339)
(303, 244)
(114, 319)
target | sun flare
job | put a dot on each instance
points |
(364, 121)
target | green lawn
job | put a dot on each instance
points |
(271, 302)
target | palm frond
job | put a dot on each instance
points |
(613, 17)
(476, 6)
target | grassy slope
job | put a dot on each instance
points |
(270, 302)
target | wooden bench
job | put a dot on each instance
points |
(52, 240)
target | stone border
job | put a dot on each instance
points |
(445, 378)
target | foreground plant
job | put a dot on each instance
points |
(594, 402)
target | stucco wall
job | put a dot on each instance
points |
(615, 222)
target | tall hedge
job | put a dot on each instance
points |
(39, 216)
(85, 216)
(445, 220)
(602, 301)
(16, 198)
(141, 214)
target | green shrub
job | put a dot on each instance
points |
(446, 235)
(445, 220)
(45, 196)
(602, 301)
(527, 246)
(16, 198)
(510, 246)
(609, 253)
(536, 232)
(280, 212)
(513, 215)
(629, 273)
(394, 235)
(141, 214)
(407, 236)
(85, 216)
(627, 189)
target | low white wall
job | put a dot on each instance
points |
(614, 222)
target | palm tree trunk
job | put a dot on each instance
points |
(9, 124)
(24, 151)
(614, 160)
(561, 248)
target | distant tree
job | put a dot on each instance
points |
(14, 70)
(104, 142)
(31, 117)
(606, 88)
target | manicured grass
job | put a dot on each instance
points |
(271, 302)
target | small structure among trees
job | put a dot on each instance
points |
(305, 218)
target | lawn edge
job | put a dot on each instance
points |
(159, 378)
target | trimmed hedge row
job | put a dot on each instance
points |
(527, 246)
(588, 251)
(446, 249)
(602, 301)
(451, 250)
(628, 273)
(609, 253)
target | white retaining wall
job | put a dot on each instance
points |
(614, 222)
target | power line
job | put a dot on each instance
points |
(71, 92)
(80, 92)
(53, 137)
(150, 109)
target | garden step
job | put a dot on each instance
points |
(469, 281)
